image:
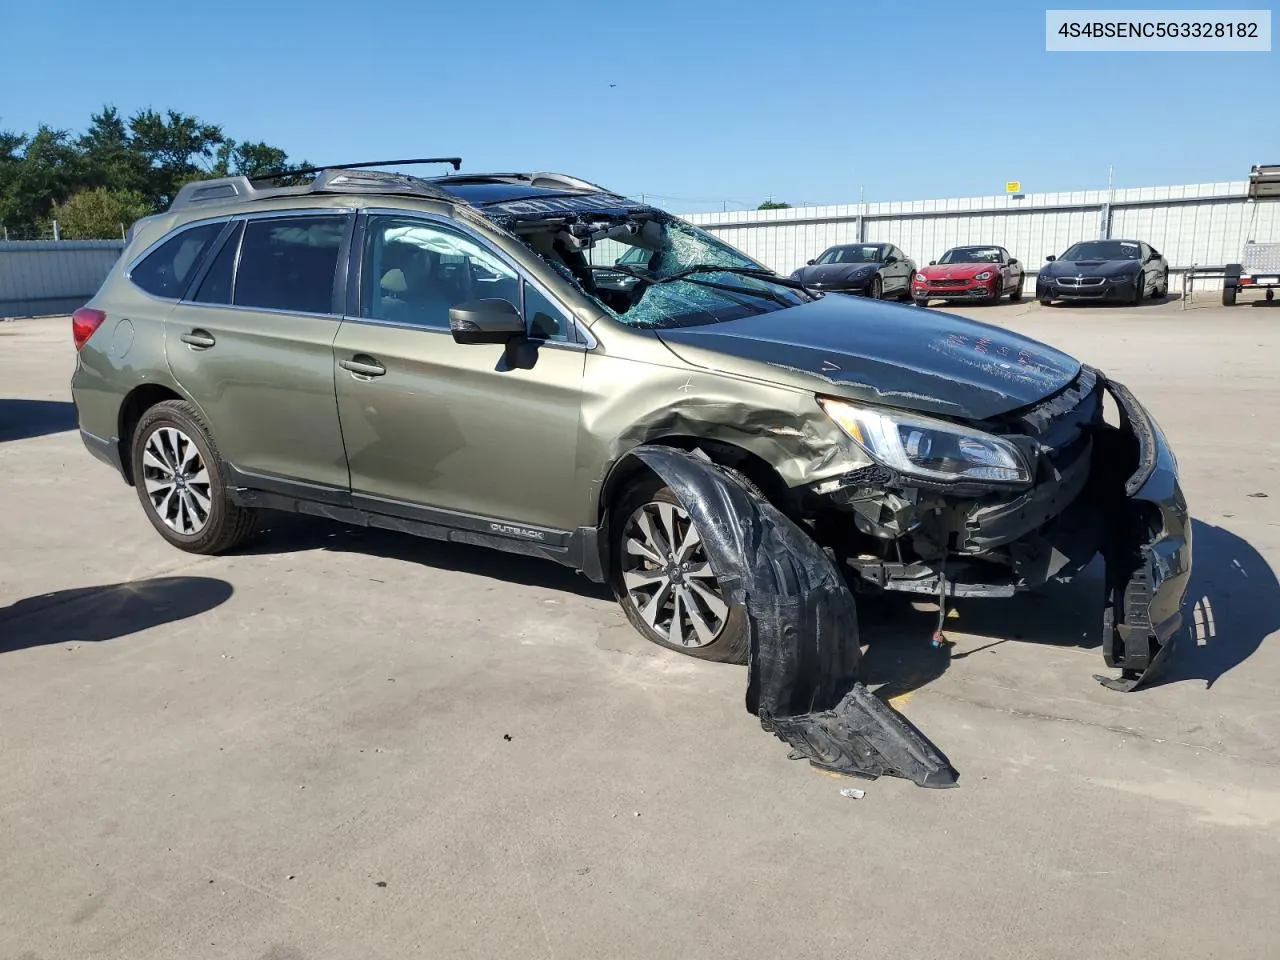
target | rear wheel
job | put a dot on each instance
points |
(663, 581)
(177, 473)
(1228, 296)
(875, 290)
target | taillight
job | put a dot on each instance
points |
(83, 323)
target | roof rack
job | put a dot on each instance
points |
(242, 189)
(455, 162)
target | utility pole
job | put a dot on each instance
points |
(1104, 225)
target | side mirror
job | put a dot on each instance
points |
(890, 260)
(1013, 262)
(933, 263)
(810, 263)
(1152, 256)
(1051, 257)
(485, 321)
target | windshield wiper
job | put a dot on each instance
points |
(727, 287)
(760, 274)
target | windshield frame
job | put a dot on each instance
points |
(880, 248)
(999, 251)
(1070, 257)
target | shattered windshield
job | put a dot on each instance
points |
(650, 270)
(865, 253)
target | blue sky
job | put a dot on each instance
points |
(715, 103)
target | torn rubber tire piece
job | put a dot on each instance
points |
(804, 658)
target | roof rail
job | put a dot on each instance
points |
(242, 189)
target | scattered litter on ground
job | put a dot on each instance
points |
(853, 793)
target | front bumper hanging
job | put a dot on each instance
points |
(1147, 549)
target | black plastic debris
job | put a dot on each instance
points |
(804, 658)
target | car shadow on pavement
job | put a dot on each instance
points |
(289, 533)
(1232, 605)
(21, 419)
(898, 636)
(1171, 297)
(94, 614)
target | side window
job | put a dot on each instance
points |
(171, 266)
(288, 263)
(543, 319)
(216, 285)
(413, 271)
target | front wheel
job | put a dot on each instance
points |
(176, 471)
(875, 290)
(997, 291)
(1016, 293)
(1139, 289)
(922, 301)
(663, 581)
(906, 291)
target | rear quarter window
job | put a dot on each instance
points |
(167, 270)
(289, 263)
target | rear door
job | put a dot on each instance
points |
(253, 346)
(483, 431)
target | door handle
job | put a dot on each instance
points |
(363, 366)
(198, 339)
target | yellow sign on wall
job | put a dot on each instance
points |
(1013, 186)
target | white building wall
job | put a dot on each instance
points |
(1203, 224)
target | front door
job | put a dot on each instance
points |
(253, 346)
(486, 431)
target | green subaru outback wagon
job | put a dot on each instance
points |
(475, 357)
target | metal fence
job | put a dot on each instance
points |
(44, 277)
(1200, 224)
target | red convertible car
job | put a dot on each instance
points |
(984, 273)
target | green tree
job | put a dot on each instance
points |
(100, 214)
(151, 155)
(774, 205)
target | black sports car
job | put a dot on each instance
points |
(875, 270)
(1124, 270)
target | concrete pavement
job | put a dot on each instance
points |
(349, 744)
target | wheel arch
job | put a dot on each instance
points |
(627, 468)
(135, 404)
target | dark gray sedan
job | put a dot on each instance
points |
(874, 270)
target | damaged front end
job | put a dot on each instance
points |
(1090, 487)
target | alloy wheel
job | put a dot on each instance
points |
(667, 577)
(176, 480)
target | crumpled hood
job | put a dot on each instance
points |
(890, 354)
(1090, 268)
(957, 271)
(825, 273)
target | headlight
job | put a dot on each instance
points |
(929, 448)
(922, 279)
(795, 274)
(985, 275)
